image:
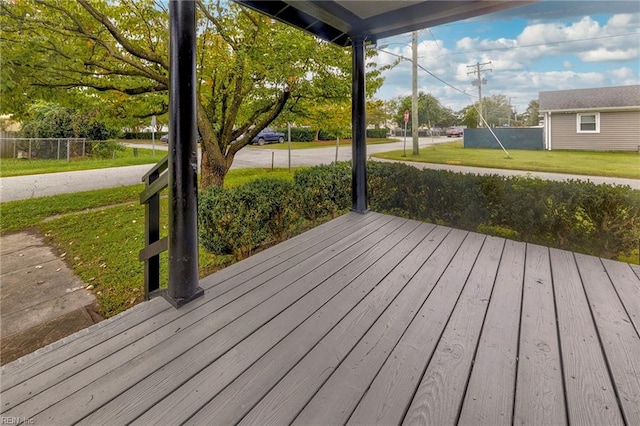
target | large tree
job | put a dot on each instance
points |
(496, 110)
(531, 115)
(249, 67)
(430, 111)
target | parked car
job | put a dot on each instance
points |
(268, 135)
(454, 132)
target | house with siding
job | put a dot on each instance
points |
(598, 119)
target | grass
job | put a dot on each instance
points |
(102, 232)
(22, 167)
(22, 214)
(592, 163)
(321, 144)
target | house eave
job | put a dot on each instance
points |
(592, 109)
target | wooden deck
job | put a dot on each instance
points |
(367, 319)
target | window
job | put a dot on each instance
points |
(589, 123)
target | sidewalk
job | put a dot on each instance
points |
(633, 183)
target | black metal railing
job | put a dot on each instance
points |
(155, 181)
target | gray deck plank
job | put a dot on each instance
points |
(619, 339)
(247, 389)
(636, 269)
(159, 329)
(491, 388)
(154, 350)
(237, 399)
(364, 319)
(442, 388)
(627, 285)
(300, 384)
(589, 390)
(206, 344)
(332, 294)
(121, 325)
(539, 388)
(288, 248)
(211, 336)
(390, 393)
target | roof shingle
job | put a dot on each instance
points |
(600, 97)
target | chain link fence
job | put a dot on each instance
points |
(46, 148)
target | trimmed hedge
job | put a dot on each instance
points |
(240, 219)
(377, 133)
(299, 134)
(323, 191)
(142, 135)
(602, 220)
(329, 136)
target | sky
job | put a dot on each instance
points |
(550, 45)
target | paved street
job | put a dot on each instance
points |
(22, 187)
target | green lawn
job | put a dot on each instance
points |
(23, 167)
(320, 144)
(593, 163)
(102, 232)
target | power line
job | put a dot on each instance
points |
(427, 71)
(551, 43)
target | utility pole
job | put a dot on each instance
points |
(479, 81)
(512, 110)
(414, 100)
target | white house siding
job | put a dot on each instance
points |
(619, 131)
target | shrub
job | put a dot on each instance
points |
(239, 220)
(601, 220)
(377, 133)
(142, 135)
(106, 149)
(323, 190)
(98, 131)
(299, 134)
(325, 135)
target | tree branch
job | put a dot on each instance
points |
(140, 53)
(266, 120)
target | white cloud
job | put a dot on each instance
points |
(602, 54)
(624, 76)
(544, 56)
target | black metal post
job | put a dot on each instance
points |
(359, 145)
(183, 161)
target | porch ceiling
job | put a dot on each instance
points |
(338, 21)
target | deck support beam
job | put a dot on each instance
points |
(359, 145)
(183, 155)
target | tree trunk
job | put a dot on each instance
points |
(211, 174)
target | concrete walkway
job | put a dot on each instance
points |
(42, 300)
